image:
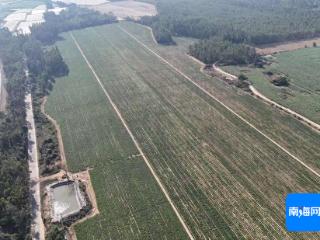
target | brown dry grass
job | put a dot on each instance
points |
(285, 47)
(125, 9)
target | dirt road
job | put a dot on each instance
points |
(38, 230)
(2, 90)
(259, 95)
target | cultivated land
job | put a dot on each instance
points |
(227, 178)
(301, 66)
(6, 6)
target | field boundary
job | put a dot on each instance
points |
(58, 134)
(137, 145)
(221, 103)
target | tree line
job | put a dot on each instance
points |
(250, 21)
(237, 21)
(14, 177)
(223, 52)
(72, 19)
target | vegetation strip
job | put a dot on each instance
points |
(225, 106)
(136, 143)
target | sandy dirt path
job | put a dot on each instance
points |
(38, 229)
(2, 90)
(137, 145)
(222, 104)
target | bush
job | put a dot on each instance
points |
(281, 81)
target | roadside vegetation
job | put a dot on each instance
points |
(14, 177)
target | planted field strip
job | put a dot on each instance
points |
(130, 202)
(225, 106)
(284, 129)
(135, 142)
(226, 179)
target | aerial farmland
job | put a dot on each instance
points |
(159, 119)
(208, 144)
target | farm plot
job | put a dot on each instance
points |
(301, 67)
(128, 198)
(227, 180)
(298, 139)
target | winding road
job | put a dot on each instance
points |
(259, 95)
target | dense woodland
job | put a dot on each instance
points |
(44, 64)
(256, 22)
(72, 19)
(223, 52)
(238, 21)
(14, 177)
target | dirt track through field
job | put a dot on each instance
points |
(225, 106)
(137, 145)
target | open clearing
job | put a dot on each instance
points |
(226, 179)
(83, 2)
(285, 47)
(302, 68)
(123, 9)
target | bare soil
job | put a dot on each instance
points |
(3, 93)
(286, 46)
(124, 9)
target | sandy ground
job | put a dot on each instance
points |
(38, 230)
(59, 136)
(82, 2)
(287, 46)
(123, 9)
(3, 93)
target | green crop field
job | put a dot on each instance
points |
(302, 68)
(226, 178)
